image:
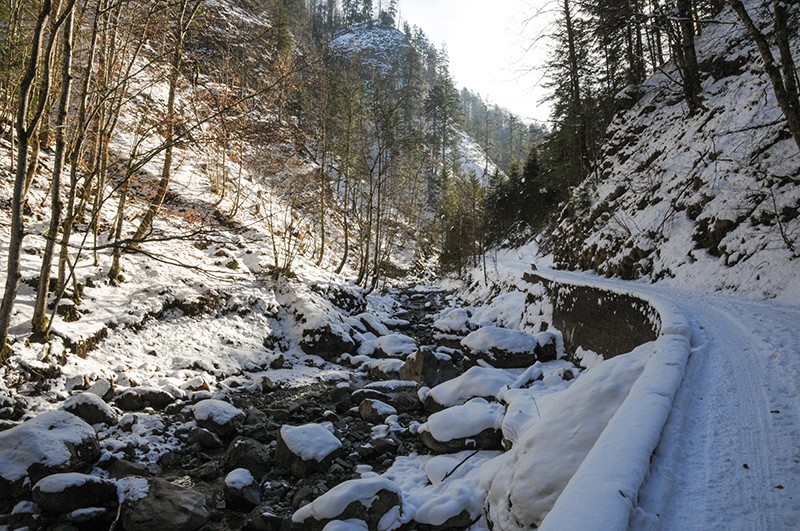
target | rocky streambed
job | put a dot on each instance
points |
(290, 456)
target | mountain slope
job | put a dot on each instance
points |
(706, 199)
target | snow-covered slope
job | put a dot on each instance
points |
(707, 199)
(376, 46)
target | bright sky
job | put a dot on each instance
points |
(486, 41)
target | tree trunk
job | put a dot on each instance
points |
(186, 16)
(787, 101)
(691, 71)
(39, 321)
(23, 132)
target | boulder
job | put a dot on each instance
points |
(327, 341)
(206, 439)
(263, 519)
(502, 348)
(218, 416)
(242, 492)
(91, 408)
(138, 398)
(394, 346)
(429, 368)
(376, 501)
(375, 411)
(244, 452)
(164, 506)
(53, 442)
(306, 449)
(63, 493)
(103, 388)
(471, 426)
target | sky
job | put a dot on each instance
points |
(486, 42)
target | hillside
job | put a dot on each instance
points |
(706, 199)
(328, 322)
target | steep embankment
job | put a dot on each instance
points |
(708, 199)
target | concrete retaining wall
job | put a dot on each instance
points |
(599, 320)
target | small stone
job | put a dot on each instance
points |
(208, 471)
(204, 438)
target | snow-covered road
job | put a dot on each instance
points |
(729, 457)
(729, 454)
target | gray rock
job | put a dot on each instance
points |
(298, 465)
(248, 453)
(241, 491)
(428, 368)
(138, 398)
(263, 519)
(488, 439)
(370, 502)
(204, 438)
(91, 408)
(218, 416)
(62, 493)
(120, 468)
(375, 411)
(326, 343)
(53, 442)
(208, 471)
(166, 506)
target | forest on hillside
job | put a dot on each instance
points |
(106, 88)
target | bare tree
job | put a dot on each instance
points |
(28, 116)
(783, 76)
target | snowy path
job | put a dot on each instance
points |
(730, 452)
(729, 456)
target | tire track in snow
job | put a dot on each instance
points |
(723, 452)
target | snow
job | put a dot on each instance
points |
(335, 501)
(131, 489)
(239, 478)
(552, 447)
(346, 525)
(475, 382)
(311, 441)
(217, 411)
(491, 337)
(44, 437)
(396, 345)
(464, 421)
(56, 483)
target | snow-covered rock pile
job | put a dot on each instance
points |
(695, 198)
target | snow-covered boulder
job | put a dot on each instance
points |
(90, 408)
(471, 426)
(53, 442)
(63, 493)
(138, 398)
(328, 341)
(218, 416)
(457, 321)
(506, 348)
(244, 452)
(429, 368)
(394, 346)
(377, 501)
(241, 490)
(375, 411)
(483, 382)
(305, 449)
(162, 505)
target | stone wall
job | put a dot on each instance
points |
(602, 321)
